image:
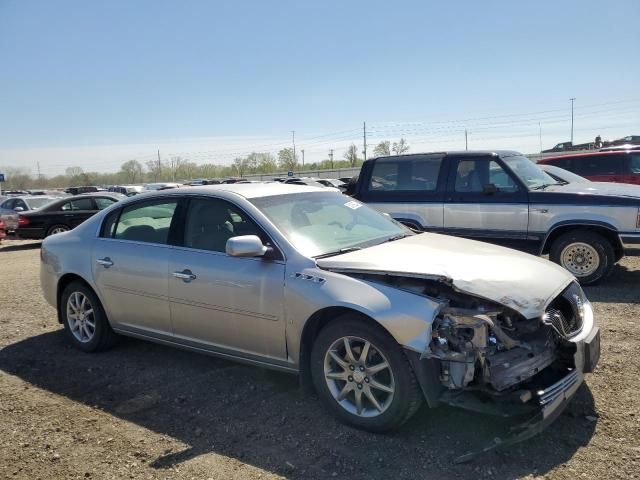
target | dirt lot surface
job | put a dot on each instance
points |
(148, 411)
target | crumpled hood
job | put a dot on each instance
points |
(520, 281)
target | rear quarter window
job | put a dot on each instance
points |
(413, 174)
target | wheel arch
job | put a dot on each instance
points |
(312, 327)
(64, 281)
(607, 230)
(412, 223)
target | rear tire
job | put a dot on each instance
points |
(57, 229)
(389, 395)
(585, 254)
(85, 322)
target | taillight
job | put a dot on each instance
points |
(23, 221)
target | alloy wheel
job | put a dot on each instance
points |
(80, 317)
(58, 230)
(359, 376)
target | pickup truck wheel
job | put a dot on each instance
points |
(84, 319)
(585, 254)
(363, 376)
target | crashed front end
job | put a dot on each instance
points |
(520, 364)
(485, 356)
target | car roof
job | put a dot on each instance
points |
(589, 154)
(59, 200)
(247, 190)
(32, 197)
(457, 153)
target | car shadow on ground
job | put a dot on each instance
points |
(621, 286)
(262, 417)
(8, 247)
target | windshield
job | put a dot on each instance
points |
(321, 223)
(530, 173)
(35, 203)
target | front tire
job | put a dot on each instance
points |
(585, 254)
(85, 322)
(363, 376)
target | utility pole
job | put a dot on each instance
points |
(157, 175)
(331, 157)
(540, 135)
(572, 99)
(39, 177)
(364, 140)
(293, 139)
(302, 157)
(466, 140)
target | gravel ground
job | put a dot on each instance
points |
(148, 411)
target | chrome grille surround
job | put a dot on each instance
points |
(566, 312)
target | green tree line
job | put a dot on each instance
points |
(177, 168)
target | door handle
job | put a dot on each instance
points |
(185, 275)
(105, 262)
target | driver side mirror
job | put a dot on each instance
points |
(490, 189)
(18, 209)
(246, 246)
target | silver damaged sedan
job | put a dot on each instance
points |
(377, 318)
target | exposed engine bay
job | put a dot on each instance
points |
(484, 346)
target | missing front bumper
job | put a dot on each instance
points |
(539, 405)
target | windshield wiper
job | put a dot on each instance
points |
(338, 252)
(396, 237)
(545, 185)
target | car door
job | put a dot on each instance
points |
(410, 188)
(486, 202)
(131, 264)
(226, 304)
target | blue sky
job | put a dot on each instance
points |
(94, 83)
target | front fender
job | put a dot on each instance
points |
(406, 316)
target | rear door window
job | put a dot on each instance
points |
(79, 204)
(634, 163)
(145, 222)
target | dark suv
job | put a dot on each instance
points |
(619, 166)
(504, 198)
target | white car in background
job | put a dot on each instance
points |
(12, 206)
